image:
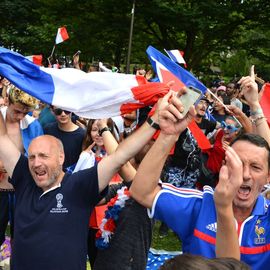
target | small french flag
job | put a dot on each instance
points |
(36, 59)
(62, 35)
(176, 56)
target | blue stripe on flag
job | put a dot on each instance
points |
(26, 75)
(182, 74)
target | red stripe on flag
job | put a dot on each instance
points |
(64, 33)
(146, 94)
(37, 59)
(200, 137)
(167, 76)
(265, 102)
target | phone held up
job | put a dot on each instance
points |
(191, 96)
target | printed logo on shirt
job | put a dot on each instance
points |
(212, 227)
(59, 206)
(259, 231)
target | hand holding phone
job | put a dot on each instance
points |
(188, 99)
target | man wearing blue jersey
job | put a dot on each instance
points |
(192, 213)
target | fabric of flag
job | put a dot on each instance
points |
(167, 71)
(176, 56)
(36, 59)
(89, 95)
(265, 102)
(61, 35)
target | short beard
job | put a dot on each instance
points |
(56, 173)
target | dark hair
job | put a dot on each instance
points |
(256, 140)
(88, 139)
(195, 262)
(226, 100)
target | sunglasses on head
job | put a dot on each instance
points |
(59, 111)
(230, 128)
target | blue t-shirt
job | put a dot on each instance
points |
(51, 229)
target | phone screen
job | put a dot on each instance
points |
(190, 98)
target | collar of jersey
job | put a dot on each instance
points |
(52, 188)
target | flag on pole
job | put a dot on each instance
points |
(176, 56)
(36, 59)
(167, 71)
(89, 95)
(61, 35)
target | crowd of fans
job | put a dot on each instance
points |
(71, 166)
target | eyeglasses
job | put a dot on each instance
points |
(59, 111)
(230, 128)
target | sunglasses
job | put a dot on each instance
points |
(230, 128)
(59, 111)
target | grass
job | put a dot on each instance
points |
(169, 243)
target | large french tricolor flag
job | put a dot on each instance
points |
(168, 71)
(89, 95)
(61, 35)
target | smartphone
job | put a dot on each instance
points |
(77, 53)
(188, 99)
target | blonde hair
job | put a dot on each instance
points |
(18, 96)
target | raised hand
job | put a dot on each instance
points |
(102, 123)
(89, 148)
(230, 180)
(170, 117)
(249, 88)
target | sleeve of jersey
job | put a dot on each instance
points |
(21, 175)
(86, 184)
(178, 208)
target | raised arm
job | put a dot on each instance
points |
(145, 184)
(129, 147)
(230, 179)
(241, 117)
(127, 171)
(250, 91)
(8, 151)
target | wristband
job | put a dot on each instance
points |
(258, 111)
(103, 130)
(152, 123)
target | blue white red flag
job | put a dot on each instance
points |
(167, 71)
(61, 35)
(36, 59)
(176, 56)
(89, 95)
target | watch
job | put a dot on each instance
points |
(103, 130)
(152, 123)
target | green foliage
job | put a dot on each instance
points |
(230, 34)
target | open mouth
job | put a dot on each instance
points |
(40, 173)
(244, 191)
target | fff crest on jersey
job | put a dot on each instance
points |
(260, 232)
